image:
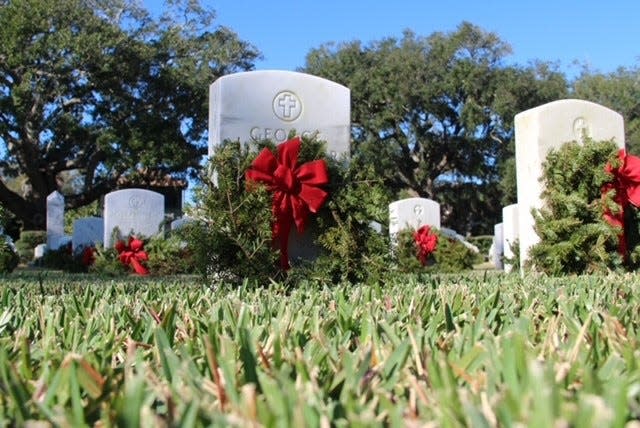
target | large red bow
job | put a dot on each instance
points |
(626, 183)
(133, 254)
(295, 189)
(426, 243)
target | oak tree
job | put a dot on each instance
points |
(98, 90)
(435, 114)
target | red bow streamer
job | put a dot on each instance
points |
(133, 254)
(426, 243)
(295, 189)
(626, 183)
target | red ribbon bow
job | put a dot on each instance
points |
(133, 254)
(295, 189)
(88, 256)
(426, 243)
(626, 183)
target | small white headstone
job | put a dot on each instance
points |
(137, 211)
(257, 105)
(452, 234)
(547, 127)
(498, 249)
(39, 250)
(412, 213)
(87, 232)
(180, 222)
(510, 232)
(55, 220)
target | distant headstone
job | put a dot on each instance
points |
(412, 213)
(257, 105)
(39, 250)
(498, 248)
(547, 127)
(452, 234)
(510, 232)
(55, 220)
(136, 211)
(180, 222)
(87, 232)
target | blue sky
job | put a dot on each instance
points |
(602, 34)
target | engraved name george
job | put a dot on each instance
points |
(279, 134)
(133, 214)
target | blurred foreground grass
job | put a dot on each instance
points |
(454, 350)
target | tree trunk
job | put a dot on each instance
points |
(34, 217)
(31, 213)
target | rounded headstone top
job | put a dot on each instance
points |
(285, 75)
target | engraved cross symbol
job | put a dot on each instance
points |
(580, 129)
(135, 202)
(286, 106)
(287, 102)
(417, 210)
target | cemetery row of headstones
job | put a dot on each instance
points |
(141, 212)
(257, 105)
(538, 131)
(130, 211)
(269, 104)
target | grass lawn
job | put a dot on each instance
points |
(479, 349)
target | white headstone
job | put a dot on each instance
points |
(136, 211)
(547, 127)
(55, 220)
(88, 231)
(374, 225)
(412, 213)
(180, 222)
(452, 234)
(498, 248)
(39, 250)
(257, 105)
(510, 232)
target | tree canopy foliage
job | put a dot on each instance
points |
(100, 90)
(619, 91)
(435, 114)
(95, 91)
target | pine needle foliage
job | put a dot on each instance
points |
(574, 236)
(352, 250)
(231, 237)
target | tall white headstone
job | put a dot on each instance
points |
(136, 211)
(547, 127)
(55, 220)
(510, 232)
(412, 213)
(257, 105)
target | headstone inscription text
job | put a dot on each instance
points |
(257, 105)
